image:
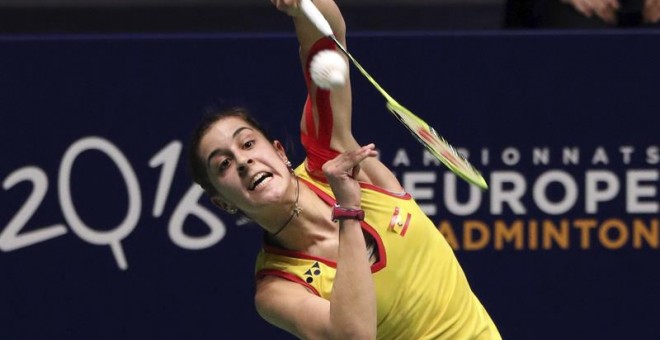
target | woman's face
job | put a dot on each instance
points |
(247, 170)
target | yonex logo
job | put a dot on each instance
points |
(315, 270)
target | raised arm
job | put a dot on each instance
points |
(339, 106)
(326, 120)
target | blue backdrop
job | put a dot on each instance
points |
(103, 236)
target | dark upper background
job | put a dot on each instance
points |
(104, 16)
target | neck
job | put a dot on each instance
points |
(311, 226)
(295, 210)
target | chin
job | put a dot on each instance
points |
(274, 192)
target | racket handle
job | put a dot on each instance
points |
(314, 15)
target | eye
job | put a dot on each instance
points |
(249, 144)
(224, 164)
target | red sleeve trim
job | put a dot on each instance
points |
(331, 201)
(299, 255)
(382, 254)
(404, 195)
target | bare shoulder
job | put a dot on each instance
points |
(292, 307)
(380, 175)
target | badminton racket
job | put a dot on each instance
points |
(425, 134)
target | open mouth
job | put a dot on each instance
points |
(260, 178)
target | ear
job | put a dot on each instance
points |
(220, 203)
(279, 148)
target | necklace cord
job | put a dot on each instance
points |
(295, 211)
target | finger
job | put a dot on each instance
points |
(606, 5)
(369, 148)
(614, 4)
(364, 152)
(289, 7)
(584, 7)
(356, 171)
(607, 14)
(603, 9)
(357, 154)
(345, 163)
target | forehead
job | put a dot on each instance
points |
(226, 126)
(221, 133)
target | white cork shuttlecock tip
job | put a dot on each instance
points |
(328, 69)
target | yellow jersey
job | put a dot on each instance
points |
(421, 290)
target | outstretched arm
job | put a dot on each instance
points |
(336, 112)
(326, 120)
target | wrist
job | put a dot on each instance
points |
(349, 212)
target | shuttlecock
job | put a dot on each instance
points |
(328, 69)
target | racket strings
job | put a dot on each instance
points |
(423, 132)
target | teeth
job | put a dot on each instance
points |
(266, 180)
(259, 179)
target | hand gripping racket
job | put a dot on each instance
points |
(424, 133)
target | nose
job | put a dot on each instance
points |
(243, 165)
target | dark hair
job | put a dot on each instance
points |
(196, 164)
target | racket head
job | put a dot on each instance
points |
(437, 145)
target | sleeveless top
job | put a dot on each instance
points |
(421, 290)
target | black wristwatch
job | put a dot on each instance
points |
(339, 213)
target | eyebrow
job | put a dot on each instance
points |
(217, 151)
